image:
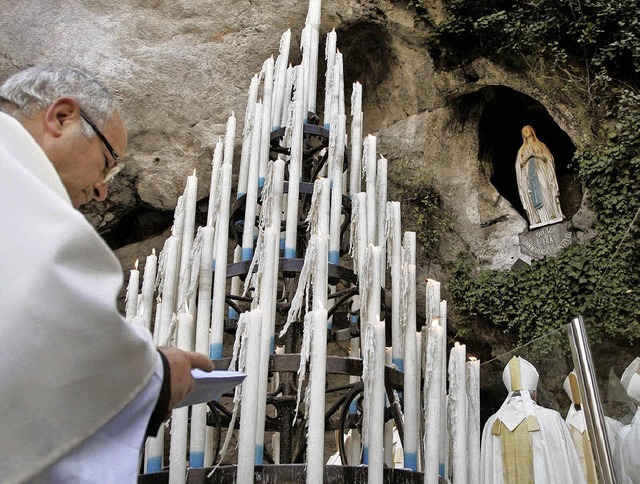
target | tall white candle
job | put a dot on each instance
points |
(434, 400)
(190, 198)
(203, 325)
(220, 276)
(336, 189)
(473, 418)
(330, 56)
(180, 416)
(247, 134)
(458, 413)
(216, 162)
(370, 178)
(280, 80)
(355, 168)
(340, 69)
(252, 186)
(267, 306)
(148, 288)
(411, 378)
(295, 168)
(265, 129)
(286, 104)
(131, 299)
(229, 139)
(375, 444)
(317, 380)
(168, 287)
(381, 210)
(313, 26)
(247, 437)
(394, 249)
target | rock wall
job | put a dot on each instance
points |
(180, 68)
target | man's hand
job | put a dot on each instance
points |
(180, 364)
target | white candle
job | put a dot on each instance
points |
(411, 378)
(280, 80)
(203, 325)
(213, 186)
(220, 276)
(381, 210)
(295, 167)
(131, 299)
(434, 400)
(374, 299)
(375, 443)
(229, 139)
(370, 178)
(180, 416)
(313, 26)
(458, 413)
(473, 418)
(330, 56)
(252, 186)
(340, 68)
(247, 133)
(394, 248)
(247, 437)
(288, 87)
(355, 168)
(265, 129)
(148, 288)
(267, 304)
(317, 380)
(190, 198)
(168, 287)
(336, 188)
(432, 300)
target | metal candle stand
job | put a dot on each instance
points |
(344, 327)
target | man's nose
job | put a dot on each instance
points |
(100, 190)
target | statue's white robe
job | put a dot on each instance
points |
(69, 362)
(555, 459)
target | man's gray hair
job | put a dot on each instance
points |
(36, 88)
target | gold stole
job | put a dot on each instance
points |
(517, 451)
(583, 446)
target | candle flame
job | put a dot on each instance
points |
(435, 322)
(473, 358)
(456, 344)
(135, 265)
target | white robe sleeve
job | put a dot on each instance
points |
(490, 456)
(111, 455)
(629, 451)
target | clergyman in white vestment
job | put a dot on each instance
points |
(78, 384)
(523, 442)
(627, 448)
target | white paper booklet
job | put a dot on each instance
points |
(211, 384)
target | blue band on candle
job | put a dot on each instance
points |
(259, 455)
(272, 344)
(241, 194)
(441, 469)
(247, 253)
(353, 408)
(215, 351)
(334, 257)
(213, 265)
(411, 461)
(289, 253)
(196, 459)
(281, 243)
(260, 182)
(275, 127)
(365, 456)
(154, 464)
(354, 318)
(233, 314)
(399, 362)
(326, 125)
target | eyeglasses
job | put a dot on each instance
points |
(112, 171)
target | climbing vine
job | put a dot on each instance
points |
(594, 45)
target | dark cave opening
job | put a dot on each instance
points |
(504, 113)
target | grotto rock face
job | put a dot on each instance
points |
(180, 69)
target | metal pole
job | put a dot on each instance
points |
(592, 405)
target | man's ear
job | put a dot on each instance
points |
(59, 114)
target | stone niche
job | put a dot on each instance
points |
(505, 112)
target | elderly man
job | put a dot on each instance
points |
(80, 388)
